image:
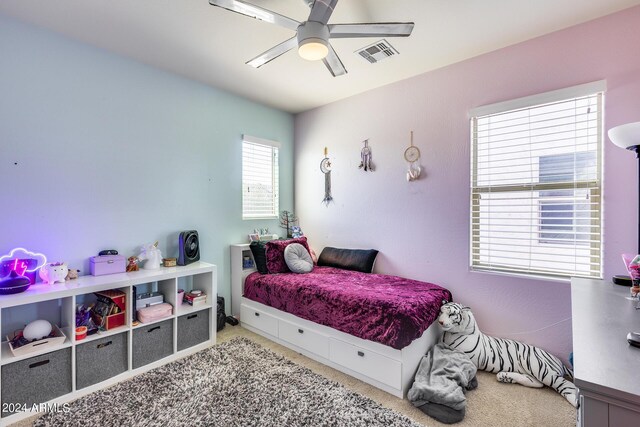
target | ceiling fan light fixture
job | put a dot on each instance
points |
(313, 49)
(313, 40)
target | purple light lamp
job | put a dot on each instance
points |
(628, 136)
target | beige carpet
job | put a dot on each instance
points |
(492, 404)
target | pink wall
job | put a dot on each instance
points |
(422, 228)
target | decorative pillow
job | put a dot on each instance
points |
(297, 258)
(314, 257)
(348, 259)
(275, 254)
(259, 256)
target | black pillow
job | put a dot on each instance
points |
(348, 259)
(259, 256)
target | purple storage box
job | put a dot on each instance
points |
(107, 264)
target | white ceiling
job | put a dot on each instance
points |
(211, 45)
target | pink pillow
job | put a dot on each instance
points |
(275, 254)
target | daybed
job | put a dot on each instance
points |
(371, 326)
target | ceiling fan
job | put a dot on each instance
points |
(312, 36)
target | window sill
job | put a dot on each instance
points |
(548, 278)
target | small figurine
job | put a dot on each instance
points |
(152, 254)
(54, 272)
(296, 231)
(133, 264)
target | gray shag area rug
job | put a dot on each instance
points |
(236, 383)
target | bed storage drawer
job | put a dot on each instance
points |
(259, 320)
(366, 362)
(304, 338)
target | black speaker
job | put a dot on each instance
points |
(188, 247)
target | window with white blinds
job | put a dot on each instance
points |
(260, 181)
(536, 187)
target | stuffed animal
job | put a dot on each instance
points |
(72, 274)
(53, 272)
(513, 361)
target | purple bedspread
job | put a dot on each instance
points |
(390, 310)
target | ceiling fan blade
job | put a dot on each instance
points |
(273, 53)
(333, 63)
(382, 29)
(321, 10)
(256, 12)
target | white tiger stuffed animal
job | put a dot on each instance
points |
(513, 361)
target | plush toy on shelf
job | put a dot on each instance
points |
(132, 264)
(72, 274)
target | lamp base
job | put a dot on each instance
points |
(621, 280)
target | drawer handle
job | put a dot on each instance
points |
(153, 329)
(300, 331)
(257, 314)
(110, 261)
(104, 344)
(42, 362)
(361, 353)
(193, 316)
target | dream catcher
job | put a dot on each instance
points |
(325, 168)
(412, 156)
(366, 157)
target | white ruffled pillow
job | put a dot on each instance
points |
(297, 258)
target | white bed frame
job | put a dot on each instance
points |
(382, 366)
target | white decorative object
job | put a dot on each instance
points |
(512, 361)
(412, 156)
(152, 255)
(37, 330)
(53, 272)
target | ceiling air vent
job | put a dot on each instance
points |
(377, 52)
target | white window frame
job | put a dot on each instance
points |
(589, 89)
(247, 141)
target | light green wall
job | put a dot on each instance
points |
(112, 153)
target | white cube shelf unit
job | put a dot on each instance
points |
(59, 374)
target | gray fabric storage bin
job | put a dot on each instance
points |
(193, 329)
(101, 359)
(37, 379)
(153, 342)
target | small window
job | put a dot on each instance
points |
(260, 181)
(536, 184)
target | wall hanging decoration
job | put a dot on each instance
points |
(412, 156)
(25, 263)
(325, 168)
(366, 157)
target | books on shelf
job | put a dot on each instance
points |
(195, 298)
